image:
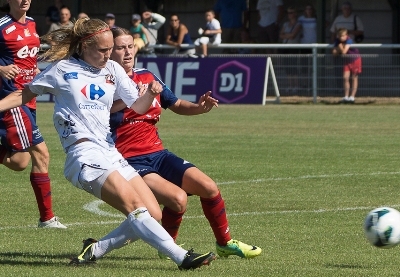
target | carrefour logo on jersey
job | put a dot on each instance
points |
(92, 92)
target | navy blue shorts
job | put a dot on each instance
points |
(164, 163)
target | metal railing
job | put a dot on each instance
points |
(320, 74)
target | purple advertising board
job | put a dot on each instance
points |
(231, 80)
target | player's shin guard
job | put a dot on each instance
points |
(149, 230)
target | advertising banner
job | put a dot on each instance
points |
(231, 80)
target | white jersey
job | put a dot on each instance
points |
(83, 97)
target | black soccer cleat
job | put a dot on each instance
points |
(86, 256)
(194, 260)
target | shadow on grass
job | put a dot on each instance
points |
(25, 258)
(364, 102)
(347, 266)
(30, 259)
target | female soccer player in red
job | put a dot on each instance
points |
(20, 137)
(168, 176)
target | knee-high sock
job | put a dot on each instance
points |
(41, 186)
(171, 221)
(150, 231)
(119, 237)
(214, 210)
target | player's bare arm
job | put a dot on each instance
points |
(143, 103)
(204, 105)
(16, 99)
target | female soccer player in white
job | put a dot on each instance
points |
(168, 176)
(83, 81)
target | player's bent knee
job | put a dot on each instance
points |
(180, 202)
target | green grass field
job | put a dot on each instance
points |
(297, 180)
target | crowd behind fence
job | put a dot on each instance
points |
(319, 74)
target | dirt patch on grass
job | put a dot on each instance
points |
(336, 100)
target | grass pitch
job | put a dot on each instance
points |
(297, 180)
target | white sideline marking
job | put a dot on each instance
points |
(93, 206)
(202, 216)
(310, 177)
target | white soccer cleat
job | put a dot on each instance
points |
(51, 223)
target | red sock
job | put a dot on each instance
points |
(171, 221)
(3, 153)
(41, 186)
(214, 210)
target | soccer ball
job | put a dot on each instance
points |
(382, 227)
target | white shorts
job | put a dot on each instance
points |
(88, 165)
(206, 40)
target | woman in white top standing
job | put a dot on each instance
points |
(290, 34)
(85, 83)
(308, 23)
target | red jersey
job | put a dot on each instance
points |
(136, 134)
(19, 45)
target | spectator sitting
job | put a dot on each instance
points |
(245, 38)
(137, 29)
(211, 34)
(177, 35)
(110, 20)
(233, 16)
(53, 12)
(65, 16)
(83, 15)
(139, 43)
(152, 22)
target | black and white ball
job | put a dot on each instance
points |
(382, 227)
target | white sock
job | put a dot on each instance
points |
(150, 231)
(119, 237)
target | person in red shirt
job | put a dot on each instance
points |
(20, 137)
(170, 177)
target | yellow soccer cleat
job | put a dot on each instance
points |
(238, 248)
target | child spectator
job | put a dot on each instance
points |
(110, 20)
(210, 35)
(352, 64)
(138, 31)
